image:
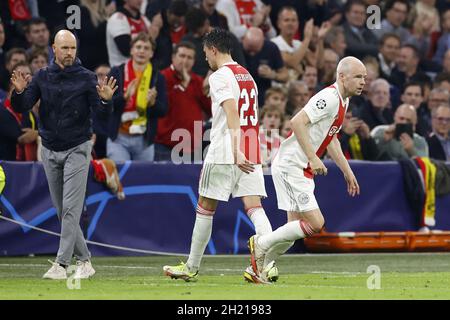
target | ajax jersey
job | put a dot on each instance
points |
(326, 111)
(232, 81)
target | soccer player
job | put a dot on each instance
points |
(232, 164)
(298, 160)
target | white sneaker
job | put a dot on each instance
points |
(84, 270)
(56, 272)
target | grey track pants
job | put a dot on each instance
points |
(67, 173)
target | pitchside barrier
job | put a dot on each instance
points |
(158, 212)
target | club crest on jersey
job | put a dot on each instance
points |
(333, 130)
(303, 198)
(320, 104)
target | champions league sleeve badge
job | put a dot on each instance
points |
(321, 104)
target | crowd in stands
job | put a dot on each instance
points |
(154, 50)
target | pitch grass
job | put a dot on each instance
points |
(403, 276)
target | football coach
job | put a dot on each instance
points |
(69, 94)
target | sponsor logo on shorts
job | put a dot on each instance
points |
(303, 198)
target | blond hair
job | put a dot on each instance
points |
(97, 9)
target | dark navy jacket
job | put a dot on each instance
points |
(68, 99)
(153, 113)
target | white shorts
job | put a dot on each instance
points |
(295, 192)
(219, 181)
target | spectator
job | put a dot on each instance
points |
(298, 95)
(242, 15)
(388, 55)
(102, 71)
(286, 128)
(38, 36)
(403, 146)
(314, 55)
(172, 31)
(293, 51)
(446, 62)
(4, 75)
(407, 68)
(328, 67)
(310, 77)
(216, 19)
(269, 135)
(188, 107)
(139, 101)
(356, 141)
(360, 40)
(442, 80)
(378, 110)
(99, 122)
(335, 39)
(439, 140)
(443, 44)
(437, 97)
(413, 94)
(276, 96)
(12, 58)
(422, 29)
(92, 33)
(264, 61)
(396, 14)
(37, 59)
(18, 131)
(121, 28)
(197, 25)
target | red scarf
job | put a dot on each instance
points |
(27, 152)
(129, 76)
(19, 10)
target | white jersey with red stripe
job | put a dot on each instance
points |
(326, 111)
(232, 81)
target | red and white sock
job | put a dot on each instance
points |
(291, 231)
(200, 237)
(259, 219)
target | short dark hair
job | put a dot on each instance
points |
(388, 35)
(390, 4)
(195, 19)
(441, 77)
(183, 44)
(413, 84)
(352, 3)
(285, 8)
(35, 21)
(220, 39)
(33, 54)
(142, 36)
(21, 64)
(14, 51)
(178, 8)
(413, 48)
